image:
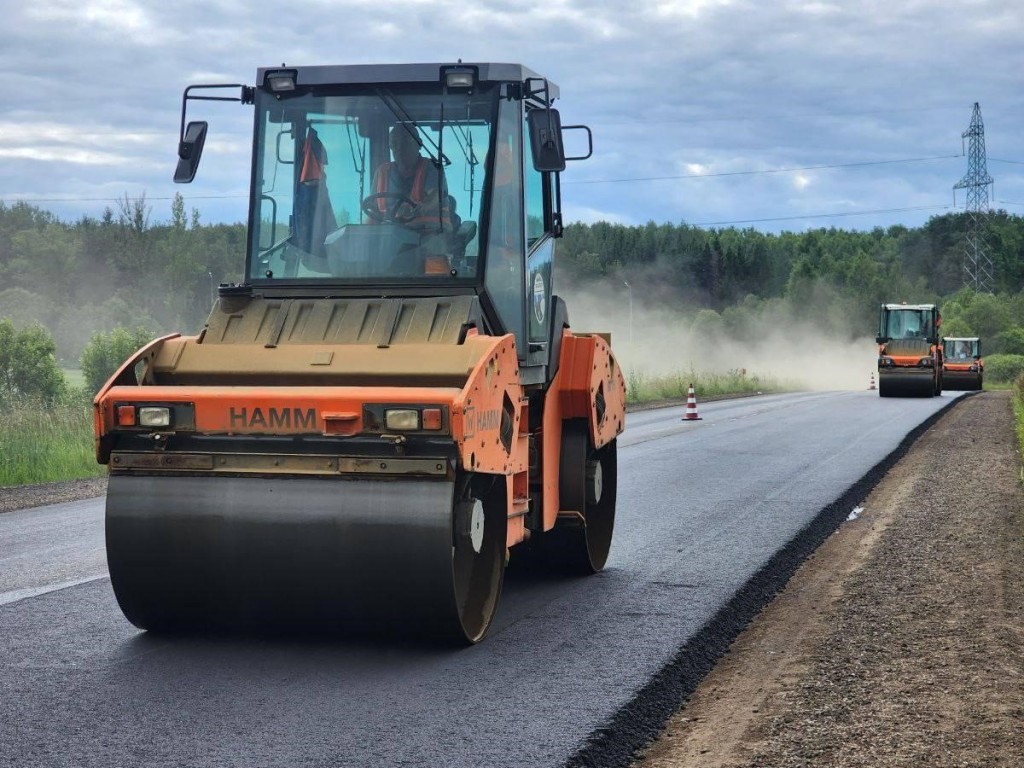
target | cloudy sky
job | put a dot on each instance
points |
(776, 114)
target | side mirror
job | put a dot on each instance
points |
(190, 149)
(880, 339)
(546, 140)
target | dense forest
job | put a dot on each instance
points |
(124, 271)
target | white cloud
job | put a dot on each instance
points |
(688, 8)
(585, 215)
(114, 16)
(64, 155)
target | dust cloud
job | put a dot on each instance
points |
(664, 338)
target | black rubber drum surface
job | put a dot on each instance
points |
(962, 381)
(378, 556)
(906, 385)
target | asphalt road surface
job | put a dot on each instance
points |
(711, 516)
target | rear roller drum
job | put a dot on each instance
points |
(587, 485)
(411, 558)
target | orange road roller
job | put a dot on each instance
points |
(909, 352)
(391, 401)
(963, 367)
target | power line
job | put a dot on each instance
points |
(765, 116)
(769, 170)
(821, 215)
(112, 199)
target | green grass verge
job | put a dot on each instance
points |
(74, 377)
(40, 444)
(1018, 412)
(642, 388)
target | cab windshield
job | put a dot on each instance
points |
(907, 324)
(960, 349)
(370, 185)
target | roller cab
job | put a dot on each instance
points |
(392, 401)
(909, 353)
(963, 367)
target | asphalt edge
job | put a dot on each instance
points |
(617, 743)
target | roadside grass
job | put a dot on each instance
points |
(644, 388)
(43, 444)
(74, 377)
(1018, 412)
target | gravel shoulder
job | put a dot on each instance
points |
(901, 641)
(25, 496)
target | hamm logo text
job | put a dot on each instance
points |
(272, 418)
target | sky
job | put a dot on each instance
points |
(781, 115)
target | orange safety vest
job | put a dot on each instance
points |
(314, 158)
(416, 194)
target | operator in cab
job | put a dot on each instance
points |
(412, 192)
(407, 188)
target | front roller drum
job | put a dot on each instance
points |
(961, 381)
(907, 385)
(396, 557)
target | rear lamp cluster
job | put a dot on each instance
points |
(885, 362)
(927, 362)
(412, 419)
(143, 416)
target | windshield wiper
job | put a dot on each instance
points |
(436, 156)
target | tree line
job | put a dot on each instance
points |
(83, 277)
(118, 271)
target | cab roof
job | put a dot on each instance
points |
(389, 74)
(908, 306)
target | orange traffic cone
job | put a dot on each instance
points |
(872, 381)
(691, 406)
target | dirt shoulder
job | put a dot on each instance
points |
(24, 496)
(901, 641)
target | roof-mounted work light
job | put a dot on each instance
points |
(280, 80)
(460, 77)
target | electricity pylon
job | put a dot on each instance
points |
(978, 269)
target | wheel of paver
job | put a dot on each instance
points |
(587, 485)
(884, 388)
(408, 557)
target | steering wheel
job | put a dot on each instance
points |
(396, 201)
